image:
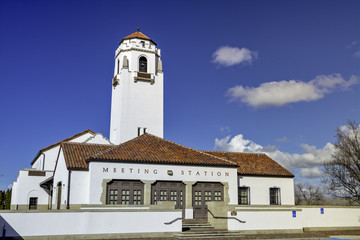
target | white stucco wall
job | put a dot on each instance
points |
(61, 175)
(264, 219)
(137, 104)
(160, 173)
(47, 158)
(29, 186)
(80, 187)
(142, 220)
(274, 218)
(87, 222)
(331, 217)
(259, 189)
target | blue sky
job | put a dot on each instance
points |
(264, 76)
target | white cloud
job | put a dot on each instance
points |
(225, 129)
(284, 139)
(285, 92)
(352, 44)
(311, 158)
(357, 54)
(310, 172)
(237, 144)
(229, 56)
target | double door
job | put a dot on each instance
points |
(169, 191)
(205, 192)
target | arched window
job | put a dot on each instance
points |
(142, 64)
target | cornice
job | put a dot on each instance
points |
(136, 49)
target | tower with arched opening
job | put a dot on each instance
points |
(137, 89)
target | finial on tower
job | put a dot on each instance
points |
(138, 29)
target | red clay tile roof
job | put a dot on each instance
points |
(58, 143)
(148, 148)
(254, 164)
(76, 154)
(137, 34)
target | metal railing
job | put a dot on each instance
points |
(171, 222)
(216, 217)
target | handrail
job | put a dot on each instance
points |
(171, 222)
(226, 217)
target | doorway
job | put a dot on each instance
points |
(205, 192)
(169, 191)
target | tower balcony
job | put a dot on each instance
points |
(144, 77)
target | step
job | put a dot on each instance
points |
(196, 225)
(195, 220)
(207, 234)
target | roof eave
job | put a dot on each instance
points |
(160, 162)
(58, 143)
(266, 175)
(147, 39)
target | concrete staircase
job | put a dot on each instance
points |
(207, 234)
(201, 228)
(196, 224)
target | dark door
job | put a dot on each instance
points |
(33, 203)
(169, 191)
(205, 192)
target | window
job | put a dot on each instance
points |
(142, 43)
(244, 196)
(125, 192)
(143, 64)
(207, 196)
(274, 196)
(181, 198)
(137, 197)
(163, 195)
(125, 197)
(197, 197)
(33, 203)
(173, 195)
(217, 196)
(113, 196)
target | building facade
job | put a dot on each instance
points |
(137, 167)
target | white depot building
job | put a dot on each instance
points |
(137, 166)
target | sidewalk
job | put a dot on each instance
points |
(352, 234)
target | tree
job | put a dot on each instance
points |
(8, 199)
(307, 194)
(2, 199)
(342, 172)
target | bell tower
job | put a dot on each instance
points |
(137, 103)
